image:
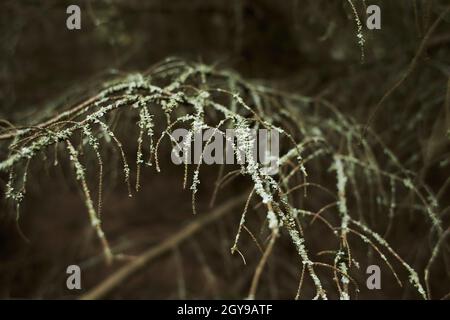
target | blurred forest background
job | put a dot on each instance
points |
(307, 47)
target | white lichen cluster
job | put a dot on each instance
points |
(359, 28)
(314, 142)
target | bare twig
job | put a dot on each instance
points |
(410, 68)
(123, 273)
(261, 265)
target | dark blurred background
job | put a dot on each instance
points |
(313, 42)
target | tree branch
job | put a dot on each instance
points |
(123, 273)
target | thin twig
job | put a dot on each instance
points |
(410, 68)
(262, 263)
(126, 271)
